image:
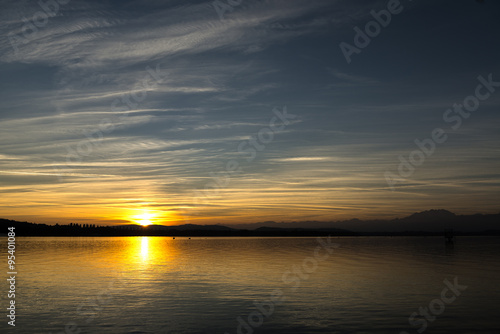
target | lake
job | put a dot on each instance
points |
(255, 285)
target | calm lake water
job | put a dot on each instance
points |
(255, 285)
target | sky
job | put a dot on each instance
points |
(226, 112)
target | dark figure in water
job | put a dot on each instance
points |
(448, 234)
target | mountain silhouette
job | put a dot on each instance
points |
(419, 223)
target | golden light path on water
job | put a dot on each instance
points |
(144, 252)
(145, 248)
(108, 281)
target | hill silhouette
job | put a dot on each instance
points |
(430, 222)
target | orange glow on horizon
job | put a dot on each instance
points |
(145, 218)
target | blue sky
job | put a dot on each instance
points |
(114, 110)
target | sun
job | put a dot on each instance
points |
(144, 219)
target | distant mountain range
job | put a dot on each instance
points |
(429, 222)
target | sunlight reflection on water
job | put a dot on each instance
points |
(202, 285)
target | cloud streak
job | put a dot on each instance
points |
(220, 81)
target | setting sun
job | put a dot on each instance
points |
(144, 219)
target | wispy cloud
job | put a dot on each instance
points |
(220, 81)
